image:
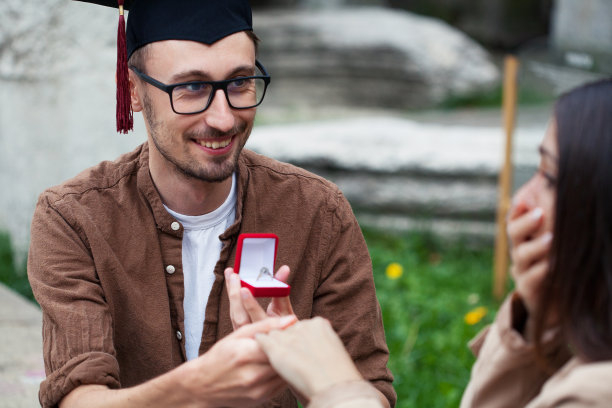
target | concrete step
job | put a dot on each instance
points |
(21, 361)
(433, 170)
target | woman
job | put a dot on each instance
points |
(551, 342)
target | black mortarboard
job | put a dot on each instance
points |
(204, 21)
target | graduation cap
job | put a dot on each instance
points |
(205, 21)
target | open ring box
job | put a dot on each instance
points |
(255, 258)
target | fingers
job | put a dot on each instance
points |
(265, 326)
(519, 207)
(238, 314)
(253, 309)
(529, 285)
(268, 384)
(273, 346)
(281, 306)
(306, 334)
(265, 342)
(309, 355)
(530, 252)
(245, 309)
(522, 227)
(283, 273)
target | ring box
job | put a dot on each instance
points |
(255, 257)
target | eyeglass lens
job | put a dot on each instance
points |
(241, 93)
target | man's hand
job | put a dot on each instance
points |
(235, 372)
(529, 251)
(244, 308)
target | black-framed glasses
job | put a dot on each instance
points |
(187, 98)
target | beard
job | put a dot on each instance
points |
(217, 168)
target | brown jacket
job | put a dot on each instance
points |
(506, 373)
(105, 266)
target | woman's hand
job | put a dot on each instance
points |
(309, 356)
(529, 251)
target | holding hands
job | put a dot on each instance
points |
(309, 354)
(236, 372)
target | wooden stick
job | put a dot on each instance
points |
(500, 273)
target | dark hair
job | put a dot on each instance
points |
(139, 56)
(578, 287)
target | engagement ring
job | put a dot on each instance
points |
(265, 275)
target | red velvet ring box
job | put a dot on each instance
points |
(255, 257)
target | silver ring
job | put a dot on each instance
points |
(265, 274)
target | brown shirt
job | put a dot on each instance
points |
(105, 264)
(506, 373)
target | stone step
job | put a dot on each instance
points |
(438, 171)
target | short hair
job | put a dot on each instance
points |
(139, 56)
(578, 287)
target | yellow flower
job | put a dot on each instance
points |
(394, 270)
(475, 315)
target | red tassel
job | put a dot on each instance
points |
(125, 116)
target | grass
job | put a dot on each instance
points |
(492, 98)
(424, 299)
(424, 309)
(13, 274)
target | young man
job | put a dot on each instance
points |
(129, 260)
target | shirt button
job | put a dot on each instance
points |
(170, 269)
(179, 335)
(175, 226)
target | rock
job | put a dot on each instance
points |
(368, 56)
(57, 101)
(43, 41)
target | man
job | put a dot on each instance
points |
(129, 259)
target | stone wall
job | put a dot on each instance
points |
(584, 25)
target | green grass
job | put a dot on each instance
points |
(492, 98)
(13, 274)
(424, 309)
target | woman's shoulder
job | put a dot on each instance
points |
(578, 384)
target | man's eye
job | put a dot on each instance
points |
(191, 90)
(240, 83)
(195, 87)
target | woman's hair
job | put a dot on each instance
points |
(578, 288)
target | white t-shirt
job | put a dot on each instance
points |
(201, 250)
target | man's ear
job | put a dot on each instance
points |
(135, 96)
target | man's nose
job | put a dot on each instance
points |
(219, 114)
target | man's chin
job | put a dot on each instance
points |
(212, 175)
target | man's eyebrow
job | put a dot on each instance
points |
(205, 76)
(545, 152)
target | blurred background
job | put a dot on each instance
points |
(396, 101)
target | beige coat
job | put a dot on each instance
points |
(506, 374)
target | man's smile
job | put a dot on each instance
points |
(214, 144)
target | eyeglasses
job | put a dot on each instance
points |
(187, 98)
